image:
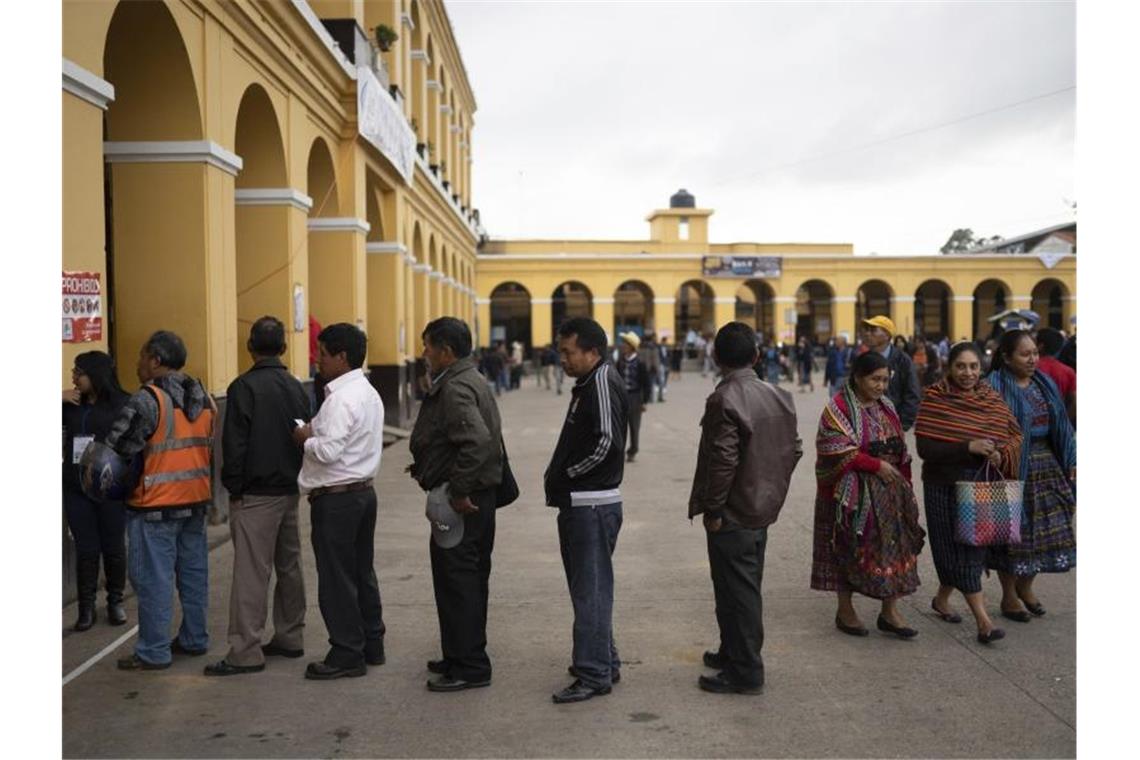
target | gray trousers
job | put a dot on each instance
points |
(265, 536)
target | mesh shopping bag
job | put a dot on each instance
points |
(988, 511)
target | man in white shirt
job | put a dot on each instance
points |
(342, 448)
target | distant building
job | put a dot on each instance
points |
(1060, 238)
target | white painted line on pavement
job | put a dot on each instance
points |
(106, 651)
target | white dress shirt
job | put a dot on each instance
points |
(348, 435)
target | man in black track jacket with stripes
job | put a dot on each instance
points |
(583, 481)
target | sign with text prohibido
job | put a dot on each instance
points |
(82, 307)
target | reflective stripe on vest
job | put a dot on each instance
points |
(176, 460)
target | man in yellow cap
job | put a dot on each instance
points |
(903, 389)
(637, 386)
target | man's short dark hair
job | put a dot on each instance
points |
(347, 339)
(267, 337)
(588, 333)
(167, 348)
(451, 332)
(735, 346)
(1049, 341)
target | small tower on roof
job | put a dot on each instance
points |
(682, 222)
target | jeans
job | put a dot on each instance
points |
(160, 555)
(662, 380)
(587, 537)
(736, 563)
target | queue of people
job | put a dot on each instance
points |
(866, 536)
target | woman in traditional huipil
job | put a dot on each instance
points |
(867, 537)
(962, 425)
(1048, 465)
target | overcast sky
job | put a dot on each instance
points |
(590, 115)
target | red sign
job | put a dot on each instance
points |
(82, 307)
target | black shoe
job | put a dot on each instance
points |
(374, 652)
(275, 650)
(445, 682)
(578, 692)
(714, 660)
(718, 684)
(177, 648)
(630, 457)
(223, 668)
(902, 632)
(946, 617)
(116, 615)
(1021, 616)
(86, 617)
(321, 671)
(995, 634)
(850, 630)
(134, 662)
(439, 667)
(614, 678)
(1036, 610)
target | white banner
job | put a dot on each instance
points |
(382, 123)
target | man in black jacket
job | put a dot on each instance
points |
(260, 463)
(582, 480)
(903, 389)
(635, 375)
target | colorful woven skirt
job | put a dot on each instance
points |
(958, 565)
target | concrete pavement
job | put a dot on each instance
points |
(827, 695)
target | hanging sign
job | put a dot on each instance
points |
(82, 307)
(741, 266)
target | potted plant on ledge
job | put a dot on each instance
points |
(385, 36)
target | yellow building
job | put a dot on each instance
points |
(227, 159)
(677, 281)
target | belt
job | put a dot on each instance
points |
(360, 485)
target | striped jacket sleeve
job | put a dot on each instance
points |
(603, 427)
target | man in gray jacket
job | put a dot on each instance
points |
(456, 447)
(749, 447)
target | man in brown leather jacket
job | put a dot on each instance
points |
(749, 447)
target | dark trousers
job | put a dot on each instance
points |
(344, 526)
(460, 576)
(634, 419)
(98, 529)
(736, 559)
(587, 537)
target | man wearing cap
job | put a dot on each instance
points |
(458, 458)
(903, 389)
(637, 386)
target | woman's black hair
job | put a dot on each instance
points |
(1005, 348)
(962, 347)
(866, 363)
(100, 370)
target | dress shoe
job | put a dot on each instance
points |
(439, 667)
(902, 631)
(945, 617)
(615, 677)
(995, 634)
(447, 683)
(134, 662)
(374, 652)
(714, 660)
(116, 615)
(86, 617)
(850, 630)
(321, 671)
(223, 668)
(276, 650)
(718, 684)
(177, 648)
(578, 692)
(1021, 616)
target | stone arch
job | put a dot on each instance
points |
(934, 310)
(633, 307)
(570, 299)
(872, 298)
(755, 306)
(257, 139)
(991, 296)
(695, 309)
(814, 313)
(321, 184)
(1048, 299)
(510, 314)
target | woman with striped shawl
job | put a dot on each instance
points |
(963, 425)
(867, 537)
(1048, 465)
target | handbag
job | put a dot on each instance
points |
(988, 511)
(508, 489)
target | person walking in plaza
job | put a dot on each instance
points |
(649, 356)
(457, 456)
(260, 464)
(805, 363)
(170, 422)
(962, 426)
(866, 535)
(1049, 344)
(582, 481)
(98, 528)
(748, 449)
(341, 455)
(903, 388)
(839, 358)
(1048, 467)
(548, 360)
(637, 387)
(664, 359)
